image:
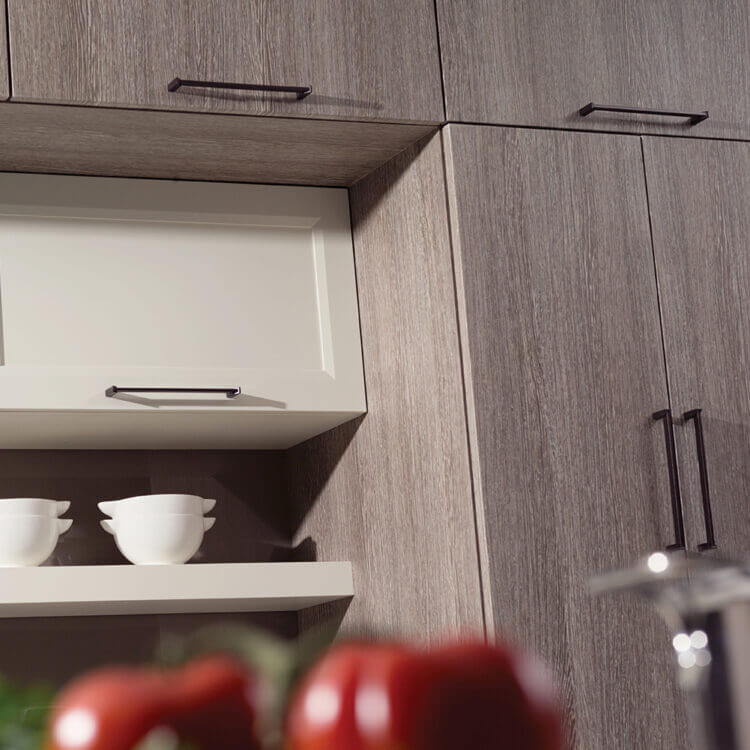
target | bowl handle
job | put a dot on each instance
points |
(208, 523)
(107, 525)
(63, 524)
(107, 507)
(208, 505)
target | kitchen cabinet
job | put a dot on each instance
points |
(538, 63)
(700, 209)
(4, 80)
(563, 368)
(245, 290)
(365, 60)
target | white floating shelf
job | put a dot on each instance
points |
(169, 589)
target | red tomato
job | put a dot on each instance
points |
(207, 703)
(471, 695)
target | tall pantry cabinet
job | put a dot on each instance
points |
(602, 285)
(601, 281)
(564, 368)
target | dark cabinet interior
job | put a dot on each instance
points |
(252, 526)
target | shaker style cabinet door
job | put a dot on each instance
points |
(224, 315)
(700, 211)
(535, 62)
(369, 59)
(564, 366)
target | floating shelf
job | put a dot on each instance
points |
(170, 589)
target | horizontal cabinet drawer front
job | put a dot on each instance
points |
(539, 63)
(164, 285)
(369, 59)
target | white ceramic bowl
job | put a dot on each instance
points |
(26, 540)
(32, 506)
(161, 539)
(158, 504)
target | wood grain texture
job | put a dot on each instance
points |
(4, 75)
(98, 141)
(369, 59)
(700, 209)
(564, 368)
(537, 63)
(394, 496)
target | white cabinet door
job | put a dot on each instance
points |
(174, 285)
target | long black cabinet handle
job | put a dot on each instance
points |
(693, 117)
(301, 91)
(700, 445)
(113, 390)
(665, 415)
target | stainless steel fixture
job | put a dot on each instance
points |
(706, 605)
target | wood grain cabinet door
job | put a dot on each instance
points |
(564, 367)
(536, 62)
(369, 59)
(4, 80)
(700, 210)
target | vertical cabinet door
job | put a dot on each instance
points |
(369, 59)
(560, 324)
(4, 80)
(699, 195)
(537, 62)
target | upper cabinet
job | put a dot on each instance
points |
(147, 313)
(369, 59)
(538, 63)
(4, 81)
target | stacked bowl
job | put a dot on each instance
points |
(158, 529)
(29, 529)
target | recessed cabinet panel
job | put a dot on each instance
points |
(146, 283)
(369, 59)
(93, 293)
(538, 62)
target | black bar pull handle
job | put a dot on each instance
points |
(665, 415)
(700, 445)
(113, 390)
(301, 91)
(693, 118)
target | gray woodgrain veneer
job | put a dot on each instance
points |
(4, 75)
(700, 208)
(394, 496)
(369, 59)
(537, 62)
(563, 367)
(128, 143)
